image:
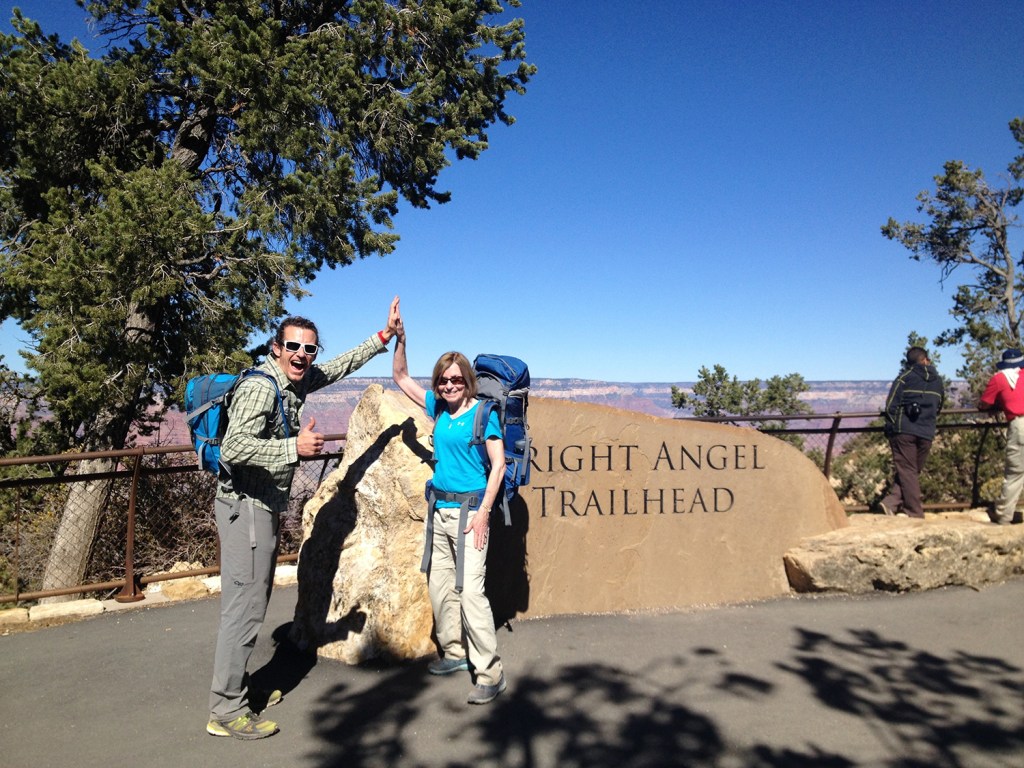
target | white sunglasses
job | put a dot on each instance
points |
(295, 346)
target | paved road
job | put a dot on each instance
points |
(933, 679)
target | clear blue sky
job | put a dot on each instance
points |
(692, 183)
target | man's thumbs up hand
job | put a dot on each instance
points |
(310, 443)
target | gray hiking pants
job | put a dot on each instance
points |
(248, 553)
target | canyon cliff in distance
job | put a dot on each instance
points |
(332, 406)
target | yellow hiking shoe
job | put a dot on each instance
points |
(261, 700)
(248, 726)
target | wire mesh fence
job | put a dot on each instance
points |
(85, 526)
(89, 524)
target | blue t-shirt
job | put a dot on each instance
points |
(459, 467)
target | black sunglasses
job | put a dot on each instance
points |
(295, 346)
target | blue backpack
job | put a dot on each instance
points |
(207, 399)
(504, 386)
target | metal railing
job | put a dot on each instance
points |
(156, 508)
(951, 419)
(827, 442)
(156, 513)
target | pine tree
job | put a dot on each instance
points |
(158, 203)
(716, 394)
(968, 233)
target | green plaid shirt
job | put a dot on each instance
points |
(262, 459)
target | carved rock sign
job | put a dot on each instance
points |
(624, 512)
(629, 511)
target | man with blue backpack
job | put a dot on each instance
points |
(260, 449)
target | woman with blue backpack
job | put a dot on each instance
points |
(460, 496)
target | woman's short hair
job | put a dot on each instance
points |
(444, 362)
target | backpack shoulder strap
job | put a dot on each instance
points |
(277, 393)
(438, 407)
(483, 413)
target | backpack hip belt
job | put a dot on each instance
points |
(466, 501)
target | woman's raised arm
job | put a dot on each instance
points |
(400, 369)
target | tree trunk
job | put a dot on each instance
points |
(72, 544)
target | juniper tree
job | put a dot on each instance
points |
(969, 227)
(716, 394)
(160, 201)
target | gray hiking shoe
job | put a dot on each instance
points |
(447, 665)
(485, 694)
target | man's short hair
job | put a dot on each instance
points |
(916, 356)
(294, 321)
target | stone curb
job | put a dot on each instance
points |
(13, 616)
(156, 593)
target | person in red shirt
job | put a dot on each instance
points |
(1005, 390)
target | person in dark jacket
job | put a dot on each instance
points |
(911, 410)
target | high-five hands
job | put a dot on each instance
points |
(394, 321)
(395, 324)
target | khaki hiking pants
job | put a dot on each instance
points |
(464, 623)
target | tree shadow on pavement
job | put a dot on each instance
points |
(925, 709)
(382, 726)
(284, 671)
(588, 716)
(919, 709)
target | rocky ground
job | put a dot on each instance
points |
(900, 554)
